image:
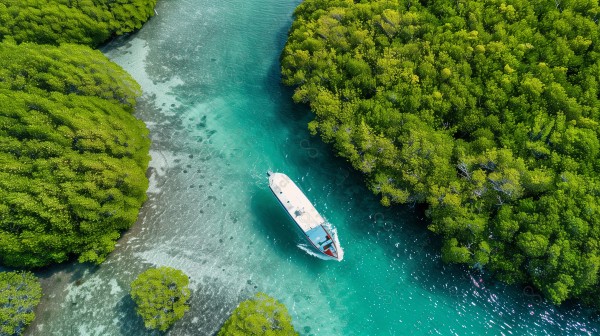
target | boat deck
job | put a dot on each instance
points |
(295, 202)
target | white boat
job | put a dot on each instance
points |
(304, 214)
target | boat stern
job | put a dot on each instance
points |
(323, 240)
(332, 252)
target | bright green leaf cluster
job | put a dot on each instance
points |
(88, 22)
(20, 293)
(161, 295)
(487, 111)
(260, 315)
(72, 157)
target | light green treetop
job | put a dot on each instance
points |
(161, 295)
(89, 22)
(72, 156)
(260, 315)
(20, 293)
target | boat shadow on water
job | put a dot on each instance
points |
(283, 236)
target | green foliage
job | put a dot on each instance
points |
(260, 315)
(88, 22)
(72, 157)
(70, 69)
(20, 293)
(161, 295)
(452, 253)
(487, 111)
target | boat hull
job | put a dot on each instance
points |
(305, 216)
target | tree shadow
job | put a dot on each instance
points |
(70, 271)
(130, 323)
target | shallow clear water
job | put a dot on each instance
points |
(219, 119)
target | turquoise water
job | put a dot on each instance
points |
(219, 119)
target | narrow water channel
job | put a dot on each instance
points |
(219, 119)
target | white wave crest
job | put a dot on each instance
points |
(309, 251)
(337, 243)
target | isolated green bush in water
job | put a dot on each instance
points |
(88, 22)
(20, 293)
(72, 157)
(487, 111)
(161, 296)
(260, 315)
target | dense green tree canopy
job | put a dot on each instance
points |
(20, 292)
(260, 315)
(161, 295)
(72, 157)
(487, 111)
(88, 22)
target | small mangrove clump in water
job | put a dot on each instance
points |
(161, 296)
(260, 315)
(20, 293)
